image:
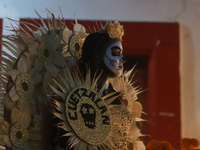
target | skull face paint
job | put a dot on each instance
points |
(114, 59)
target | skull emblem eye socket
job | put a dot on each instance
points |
(88, 113)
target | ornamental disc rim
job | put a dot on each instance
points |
(95, 130)
(15, 128)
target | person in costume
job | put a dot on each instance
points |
(74, 77)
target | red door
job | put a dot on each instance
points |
(157, 45)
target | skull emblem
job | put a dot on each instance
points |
(88, 113)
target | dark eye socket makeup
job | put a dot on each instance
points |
(116, 51)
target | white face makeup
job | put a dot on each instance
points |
(114, 58)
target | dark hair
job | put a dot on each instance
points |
(94, 49)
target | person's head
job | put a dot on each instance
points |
(101, 52)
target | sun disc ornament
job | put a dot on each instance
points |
(87, 115)
(18, 135)
(46, 53)
(24, 86)
(75, 46)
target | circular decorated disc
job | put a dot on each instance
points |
(75, 46)
(88, 116)
(18, 135)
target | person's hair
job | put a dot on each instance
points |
(94, 49)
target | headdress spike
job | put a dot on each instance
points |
(75, 19)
